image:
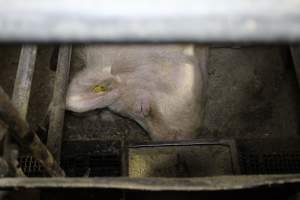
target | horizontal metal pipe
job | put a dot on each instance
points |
(215, 183)
(150, 21)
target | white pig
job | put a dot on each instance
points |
(161, 87)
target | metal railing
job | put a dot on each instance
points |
(13, 114)
(150, 21)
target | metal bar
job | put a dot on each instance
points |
(57, 110)
(217, 183)
(295, 50)
(210, 141)
(124, 156)
(19, 130)
(150, 21)
(20, 100)
(234, 157)
(22, 87)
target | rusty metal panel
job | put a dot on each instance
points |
(183, 159)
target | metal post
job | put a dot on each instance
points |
(295, 50)
(20, 100)
(57, 109)
(22, 87)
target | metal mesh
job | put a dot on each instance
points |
(277, 163)
(87, 158)
(96, 159)
(31, 167)
(92, 166)
(269, 156)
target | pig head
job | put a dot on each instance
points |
(161, 87)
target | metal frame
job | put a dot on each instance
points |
(13, 114)
(231, 144)
(217, 183)
(20, 100)
(150, 21)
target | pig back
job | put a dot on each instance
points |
(178, 113)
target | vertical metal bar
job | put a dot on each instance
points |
(234, 157)
(57, 112)
(124, 157)
(22, 87)
(295, 50)
(20, 100)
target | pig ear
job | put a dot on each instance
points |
(125, 65)
(106, 85)
(106, 69)
(86, 100)
(189, 50)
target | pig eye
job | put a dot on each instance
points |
(99, 88)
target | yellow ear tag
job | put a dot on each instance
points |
(98, 89)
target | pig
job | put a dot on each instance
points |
(161, 86)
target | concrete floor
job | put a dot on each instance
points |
(252, 94)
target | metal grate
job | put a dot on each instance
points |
(31, 167)
(269, 156)
(276, 163)
(103, 158)
(284, 162)
(82, 158)
(92, 166)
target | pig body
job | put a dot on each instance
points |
(161, 87)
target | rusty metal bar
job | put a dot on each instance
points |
(19, 130)
(22, 87)
(57, 110)
(20, 100)
(295, 50)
